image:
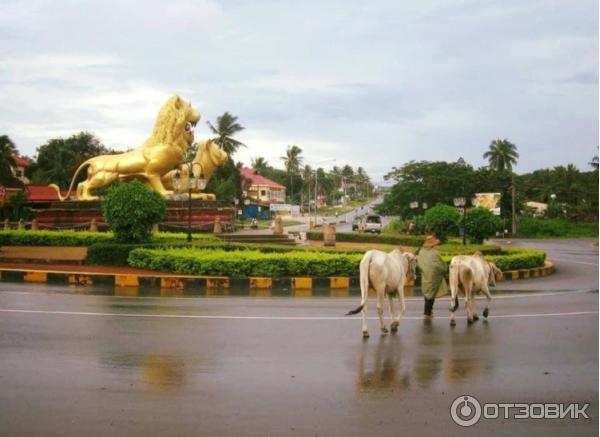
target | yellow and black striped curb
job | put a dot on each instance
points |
(175, 281)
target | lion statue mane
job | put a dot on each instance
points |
(164, 150)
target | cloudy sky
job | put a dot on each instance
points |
(366, 83)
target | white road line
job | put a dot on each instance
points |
(224, 317)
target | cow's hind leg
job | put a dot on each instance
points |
(393, 313)
(488, 296)
(380, 304)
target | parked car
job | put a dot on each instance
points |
(356, 223)
(372, 223)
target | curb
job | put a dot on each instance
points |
(181, 282)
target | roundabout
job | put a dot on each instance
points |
(134, 365)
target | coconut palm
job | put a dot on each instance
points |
(594, 162)
(7, 159)
(292, 161)
(226, 127)
(260, 164)
(502, 155)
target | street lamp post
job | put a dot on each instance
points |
(193, 182)
(414, 205)
(461, 202)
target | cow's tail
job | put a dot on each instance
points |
(364, 284)
(57, 189)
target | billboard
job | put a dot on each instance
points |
(490, 201)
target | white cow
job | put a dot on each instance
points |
(471, 273)
(386, 273)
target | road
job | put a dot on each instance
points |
(85, 364)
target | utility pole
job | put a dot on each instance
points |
(514, 206)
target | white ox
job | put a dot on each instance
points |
(471, 273)
(386, 273)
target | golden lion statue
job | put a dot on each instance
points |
(208, 158)
(165, 149)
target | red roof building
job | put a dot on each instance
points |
(40, 193)
(262, 189)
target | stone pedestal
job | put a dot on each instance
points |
(329, 234)
(93, 226)
(34, 225)
(278, 229)
(217, 229)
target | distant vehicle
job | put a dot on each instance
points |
(356, 223)
(372, 223)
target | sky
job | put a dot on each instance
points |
(374, 84)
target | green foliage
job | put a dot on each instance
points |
(53, 238)
(131, 209)
(395, 225)
(469, 249)
(532, 227)
(245, 263)
(442, 220)
(501, 155)
(516, 259)
(8, 151)
(58, 159)
(16, 207)
(359, 237)
(481, 224)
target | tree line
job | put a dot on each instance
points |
(569, 192)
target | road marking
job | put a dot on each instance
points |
(224, 317)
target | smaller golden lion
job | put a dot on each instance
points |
(165, 149)
(208, 158)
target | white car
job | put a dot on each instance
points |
(372, 223)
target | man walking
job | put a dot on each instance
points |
(433, 273)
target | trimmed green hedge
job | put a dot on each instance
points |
(83, 238)
(245, 263)
(363, 237)
(242, 263)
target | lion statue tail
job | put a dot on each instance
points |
(57, 188)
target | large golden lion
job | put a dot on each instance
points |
(163, 151)
(208, 158)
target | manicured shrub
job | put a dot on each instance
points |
(481, 224)
(442, 220)
(53, 238)
(245, 263)
(131, 209)
(361, 237)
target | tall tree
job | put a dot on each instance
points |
(594, 162)
(7, 160)
(292, 162)
(260, 164)
(58, 159)
(226, 127)
(501, 155)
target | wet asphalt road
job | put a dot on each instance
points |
(74, 364)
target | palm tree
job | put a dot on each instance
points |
(7, 159)
(227, 127)
(594, 162)
(260, 164)
(502, 155)
(292, 161)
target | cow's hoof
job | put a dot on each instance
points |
(453, 322)
(475, 317)
(366, 334)
(394, 326)
(470, 321)
(384, 330)
(486, 312)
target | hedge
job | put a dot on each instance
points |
(245, 263)
(82, 238)
(362, 237)
(242, 263)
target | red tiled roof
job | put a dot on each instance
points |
(21, 161)
(256, 179)
(41, 193)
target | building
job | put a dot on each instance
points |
(261, 190)
(19, 170)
